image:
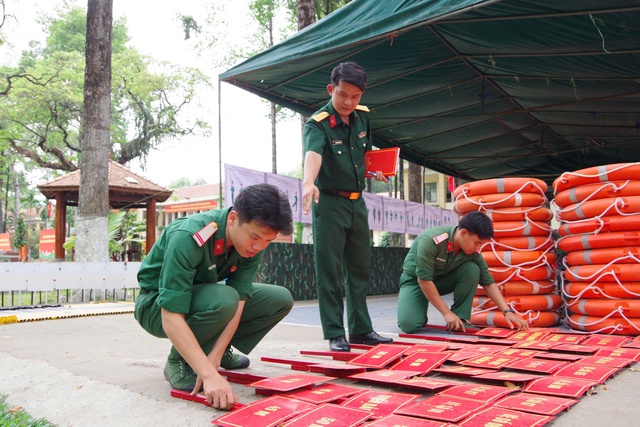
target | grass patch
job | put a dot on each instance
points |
(15, 416)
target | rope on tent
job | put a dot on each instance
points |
(595, 24)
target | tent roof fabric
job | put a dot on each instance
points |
(476, 89)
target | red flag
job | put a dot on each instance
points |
(451, 181)
(49, 210)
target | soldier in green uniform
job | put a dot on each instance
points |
(335, 139)
(196, 288)
(444, 260)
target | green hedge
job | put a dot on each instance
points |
(291, 265)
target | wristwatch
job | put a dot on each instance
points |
(508, 310)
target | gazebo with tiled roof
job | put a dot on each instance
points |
(126, 190)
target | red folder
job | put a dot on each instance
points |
(384, 160)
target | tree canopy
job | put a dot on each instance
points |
(41, 99)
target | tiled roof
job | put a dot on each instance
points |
(121, 182)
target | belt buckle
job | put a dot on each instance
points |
(354, 196)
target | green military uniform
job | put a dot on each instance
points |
(190, 271)
(341, 224)
(431, 258)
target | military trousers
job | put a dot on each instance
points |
(341, 252)
(212, 308)
(413, 304)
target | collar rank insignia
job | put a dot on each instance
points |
(205, 233)
(218, 247)
(332, 121)
(233, 268)
(449, 247)
(441, 238)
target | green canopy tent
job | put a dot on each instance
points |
(475, 88)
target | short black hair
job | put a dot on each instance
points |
(266, 205)
(478, 223)
(349, 72)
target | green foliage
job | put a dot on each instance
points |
(17, 417)
(389, 240)
(41, 113)
(20, 236)
(124, 230)
(186, 182)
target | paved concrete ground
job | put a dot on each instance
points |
(104, 370)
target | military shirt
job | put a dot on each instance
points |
(176, 262)
(341, 146)
(431, 256)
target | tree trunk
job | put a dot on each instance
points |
(16, 197)
(306, 16)
(274, 157)
(92, 242)
(415, 186)
(306, 13)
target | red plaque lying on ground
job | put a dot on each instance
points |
(267, 412)
(605, 340)
(542, 366)
(576, 348)
(514, 377)
(536, 345)
(335, 370)
(383, 376)
(462, 371)
(565, 338)
(625, 353)
(580, 370)
(403, 421)
(424, 383)
(499, 417)
(426, 347)
(530, 335)
(289, 382)
(495, 332)
(421, 362)
(536, 404)
(614, 362)
(490, 361)
(560, 386)
(482, 393)
(443, 408)
(522, 353)
(380, 403)
(325, 393)
(327, 415)
(379, 356)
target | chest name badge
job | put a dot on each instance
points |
(336, 142)
(440, 259)
(441, 238)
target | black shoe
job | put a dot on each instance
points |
(372, 338)
(339, 344)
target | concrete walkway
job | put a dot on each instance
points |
(104, 370)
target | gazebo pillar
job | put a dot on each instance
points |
(151, 223)
(61, 225)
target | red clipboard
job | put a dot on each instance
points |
(384, 160)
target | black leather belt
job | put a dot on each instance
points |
(347, 194)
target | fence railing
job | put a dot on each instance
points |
(30, 283)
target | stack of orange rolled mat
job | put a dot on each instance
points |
(521, 256)
(599, 211)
